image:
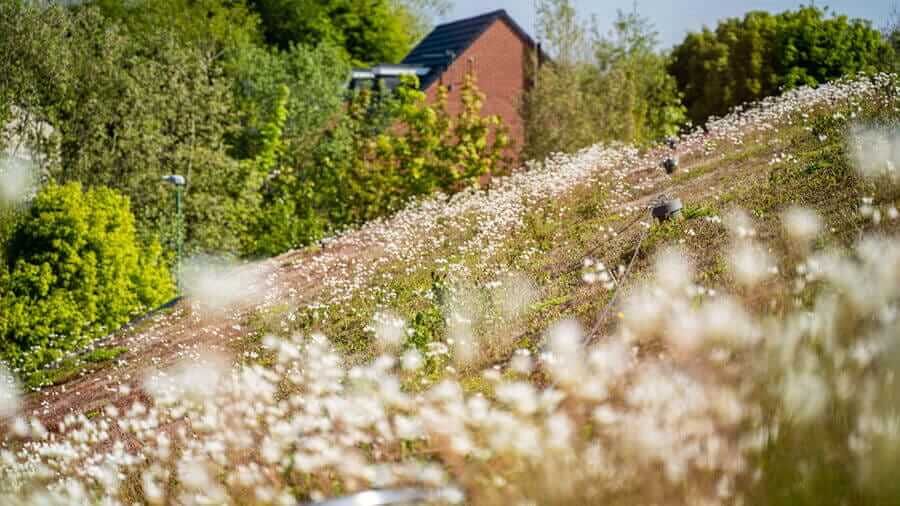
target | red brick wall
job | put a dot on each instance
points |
(498, 59)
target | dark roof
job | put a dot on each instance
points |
(448, 41)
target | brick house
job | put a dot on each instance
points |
(492, 47)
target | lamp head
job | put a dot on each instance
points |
(175, 179)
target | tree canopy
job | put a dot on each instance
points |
(600, 86)
(370, 31)
(213, 26)
(746, 59)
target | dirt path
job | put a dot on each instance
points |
(186, 333)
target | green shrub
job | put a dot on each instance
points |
(386, 149)
(74, 271)
(434, 150)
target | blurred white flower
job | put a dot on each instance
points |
(643, 313)
(750, 264)
(801, 225)
(725, 320)
(521, 362)
(672, 270)
(565, 356)
(520, 395)
(216, 284)
(876, 151)
(194, 475)
(805, 395)
(516, 293)
(389, 329)
(740, 224)
(9, 394)
(411, 360)
(559, 431)
(194, 380)
(18, 180)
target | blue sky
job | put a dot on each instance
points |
(673, 19)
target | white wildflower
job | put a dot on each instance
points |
(17, 180)
(801, 225)
(805, 395)
(750, 264)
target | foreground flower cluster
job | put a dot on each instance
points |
(608, 416)
(685, 402)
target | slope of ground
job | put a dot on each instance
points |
(472, 282)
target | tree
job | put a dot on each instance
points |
(127, 109)
(421, 14)
(369, 31)
(754, 57)
(214, 27)
(640, 97)
(562, 33)
(598, 87)
(387, 149)
(433, 151)
(891, 32)
(315, 78)
(73, 271)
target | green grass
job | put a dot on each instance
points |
(71, 367)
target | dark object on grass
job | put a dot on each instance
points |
(670, 164)
(672, 142)
(666, 209)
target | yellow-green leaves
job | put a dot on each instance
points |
(77, 272)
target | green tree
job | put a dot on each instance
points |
(598, 87)
(754, 57)
(433, 151)
(214, 27)
(74, 270)
(562, 32)
(386, 149)
(369, 31)
(127, 109)
(639, 97)
(315, 78)
(560, 111)
(891, 33)
(421, 14)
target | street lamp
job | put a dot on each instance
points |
(178, 182)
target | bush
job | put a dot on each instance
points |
(432, 151)
(385, 150)
(73, 271)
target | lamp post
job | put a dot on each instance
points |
(178, 182)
